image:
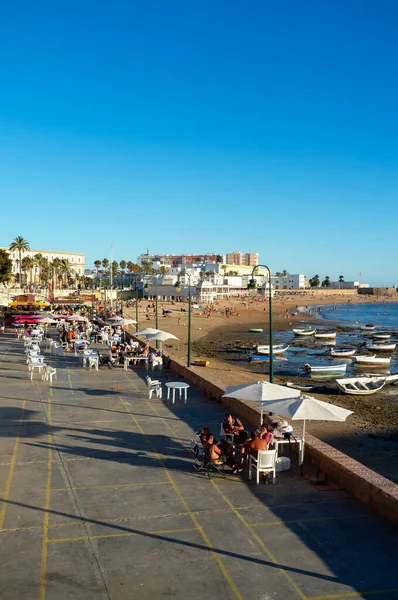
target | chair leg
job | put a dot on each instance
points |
(258, 476)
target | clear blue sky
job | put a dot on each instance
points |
(196, 126)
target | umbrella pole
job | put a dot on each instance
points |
(302, 450)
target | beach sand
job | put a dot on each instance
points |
(370, 435)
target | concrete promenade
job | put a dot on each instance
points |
(99, 501)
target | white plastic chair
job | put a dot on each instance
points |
(48, 373)
(228, 437)
(265, 461)
(93, 361)
(156, 362)
(154, 385)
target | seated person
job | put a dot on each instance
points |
(265, 434)
(234, 426)
(145, 351)
(204, 435)
(257, 443)
(212, 451)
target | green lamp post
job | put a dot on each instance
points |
(252, 286)
(178, 289)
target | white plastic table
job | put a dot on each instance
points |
(177, 385)
(35, 365)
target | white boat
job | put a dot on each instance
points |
(381, 347)
(276, 349)
(342, 352)
(327, 335)
(376, 361)
(389, 379)
(304, 387)
(325, 368)
(369, 327)
(361, 386)
(304, 331)
(381, 336)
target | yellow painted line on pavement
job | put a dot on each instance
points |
(195, 521)
(354, 594)
(104, 487)
(12, 467)
(260, 542)
(314, 520)
(43, 568)
(124, 534)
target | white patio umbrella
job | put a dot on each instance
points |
(48, 320)
(306, 408)
(124, 322)
(161, 336)
(116, 318)
(262, 391)
(77, 318)
(147, 331)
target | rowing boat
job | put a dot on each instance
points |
(304, 332)
(361, 386)
(276, 349)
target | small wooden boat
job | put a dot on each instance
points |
(375, 361)
(256, 330)
(381, 336)
(259, 358)
(342, 352)
(325, 368)
(276, 349)
(360, 386)
(300, 386)
(381, 347)
(369, 327)
(304, 332)
(327, 335)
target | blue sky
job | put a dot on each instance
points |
(210, 126)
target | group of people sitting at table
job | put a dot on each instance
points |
(237, 444)
(133, 350)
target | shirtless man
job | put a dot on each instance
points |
(212, 451)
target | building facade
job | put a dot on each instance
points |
(249, 259)
(177, 260)
(288, 282)
(77, 261)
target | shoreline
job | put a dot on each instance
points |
(370, 435)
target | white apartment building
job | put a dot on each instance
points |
(76, 260)
(288, 282)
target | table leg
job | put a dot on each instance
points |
(186, 395)
(168, 393)
(174, 395)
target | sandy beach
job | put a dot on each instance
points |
(370, 435)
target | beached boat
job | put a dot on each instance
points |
(375, 361)
(381, 336)
(342, 352)
(389, 379)
(300, 386)
(369, 327)
(327, 335)
(256, 330)
(276, 349)
(325, 368)
(381, 347)
(259, 358)
(361, 386)
(304, 332)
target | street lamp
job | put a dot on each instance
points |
(252, 286)
(178, 289)
(146, 289)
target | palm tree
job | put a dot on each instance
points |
(27, 265)
(123, 266)
(38, 262)
(66, 269)
(45, 270)
(20, 245)
(56, 267)
(97, 264)
(341, 278)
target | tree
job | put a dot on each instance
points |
(284, 273)
(341, 278)
(55, 268)
(66, 269)
(115, 268)
(45, 270)
(5, 266)
(97, 264)
(148, 268)
(27, 265)
(20, 245)
(123, 266)
(326, 281)
(314, 281)
(163, 270)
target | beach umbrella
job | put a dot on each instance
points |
(147, 331)
(116, 318)
(262, 391)
(47, 320)
(306, 408)
(160, 336)
(77, 318)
